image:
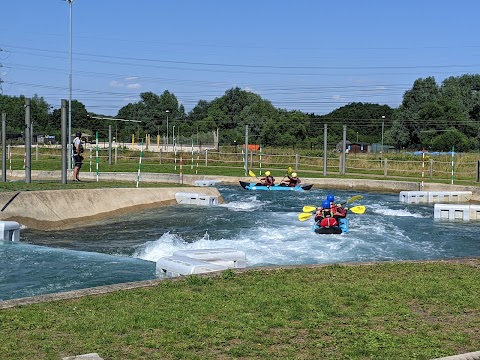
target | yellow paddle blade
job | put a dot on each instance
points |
(307, 208)
(354, 198)
(251, 173)
(360, 209)
(304, 216)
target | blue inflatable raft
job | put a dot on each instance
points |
(276, 187)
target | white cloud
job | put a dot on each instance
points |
(337, 97)
(116, 84)
(131, 78)
(134, 86)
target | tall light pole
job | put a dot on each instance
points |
(70, 91)
(383, 126)
(167, 111)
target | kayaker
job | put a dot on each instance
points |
(268, 180)
(293, 180)
(324, 217)
(337, 210)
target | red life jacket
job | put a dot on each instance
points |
(269, 180)
(328, 222)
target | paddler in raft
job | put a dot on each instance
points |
(336, 209)
(324, 216)
(293, 180)
(268, 180)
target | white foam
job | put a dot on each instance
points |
(396, 212)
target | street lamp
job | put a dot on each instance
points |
(70, 90)
(383, 126)
(167, 111)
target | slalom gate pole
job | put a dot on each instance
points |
(90, 157)
(198, 159)
(139, 164)
(191, 168)
(423, 166)
(260, 161)
(10, 159)
(453, 152)
(96, 153)
(181, 169)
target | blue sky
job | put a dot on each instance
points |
(312, 56)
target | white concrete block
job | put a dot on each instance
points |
(184, 265)
(223, 256)
(451, 212)
(9, 231)
(413, 197)
(196, 199)
(207, 182)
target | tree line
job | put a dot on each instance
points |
(431, 116)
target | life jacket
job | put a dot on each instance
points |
(323, 214)
(293, 181)
(328, 222)
(269, 180)
(338, 211)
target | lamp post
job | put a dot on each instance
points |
(383, 126)
(167, 111)
(70, 90)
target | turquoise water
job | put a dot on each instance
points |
(262, 224)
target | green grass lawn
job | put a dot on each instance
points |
(380, 311)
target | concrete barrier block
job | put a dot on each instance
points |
(413, 197)
(223, 256)
(460, 196)
(207, 182)
(196, 199)
(439, 196)
(451, 212)
(184, 265)
(474, 212)
(9, 231)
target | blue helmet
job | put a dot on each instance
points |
(330, 198)
(326, 204)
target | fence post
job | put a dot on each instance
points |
(206, 157)
(37, 152)
(116, 154)
(160, 153)
(296, 162)
(385, 167)
(478, 170)
(431, 169)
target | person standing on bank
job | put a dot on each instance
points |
(77, 155)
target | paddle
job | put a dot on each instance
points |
(360, 209)
(289, 171)
(252, 174)
(308, 208)
(304, 216)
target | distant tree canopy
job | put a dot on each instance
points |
(430, 116)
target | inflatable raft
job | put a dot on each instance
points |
(341, 229)
(276, 187)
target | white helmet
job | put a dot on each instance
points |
(294, 174)
(267, 173)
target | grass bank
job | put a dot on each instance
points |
(378, 311)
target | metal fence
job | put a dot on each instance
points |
(199, 160)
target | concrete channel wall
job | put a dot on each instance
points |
(66, 208)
